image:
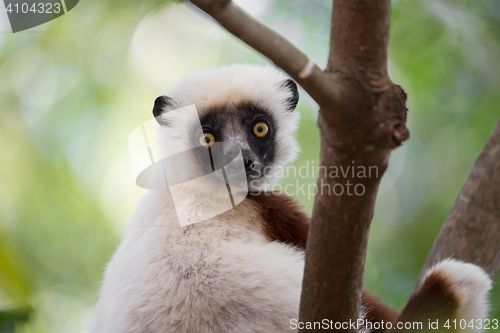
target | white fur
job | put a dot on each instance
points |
(471, 286)
(222, 275)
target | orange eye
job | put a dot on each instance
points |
(260, 129)
(207, 140)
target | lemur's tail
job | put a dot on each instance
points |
(449, 290)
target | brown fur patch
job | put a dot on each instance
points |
(284, 219)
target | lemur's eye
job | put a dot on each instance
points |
(207, 140)
(260, 129)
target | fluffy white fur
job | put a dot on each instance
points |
(222, 275)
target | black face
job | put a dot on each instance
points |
(245, 127)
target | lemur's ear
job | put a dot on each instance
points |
(162, 104)
(291, 86)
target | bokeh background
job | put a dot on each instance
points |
(72, 90)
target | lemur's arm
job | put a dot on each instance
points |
(451, 289)
(285, 220)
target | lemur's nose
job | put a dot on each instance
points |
(249, 158)
(249, 164)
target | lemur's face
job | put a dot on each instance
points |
(247, 128)
(253, 115)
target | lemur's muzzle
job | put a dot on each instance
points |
(250, 160)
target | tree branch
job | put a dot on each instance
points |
(359, 35)
(280, 51)
(471, 231)
(361, 133)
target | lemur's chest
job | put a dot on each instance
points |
(267, 216)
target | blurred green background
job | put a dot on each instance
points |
(72, 90)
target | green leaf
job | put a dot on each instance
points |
(9, 319)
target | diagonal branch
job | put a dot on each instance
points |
(471, 231)
(280, 51)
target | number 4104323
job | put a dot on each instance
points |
(473, 324)
(40, 8)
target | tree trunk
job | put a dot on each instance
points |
(359, 132)
(471, 231)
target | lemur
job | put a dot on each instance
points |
(241, 271)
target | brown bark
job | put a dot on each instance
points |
(471, 231)
(362, 131)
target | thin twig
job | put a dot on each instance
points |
(280, 51)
